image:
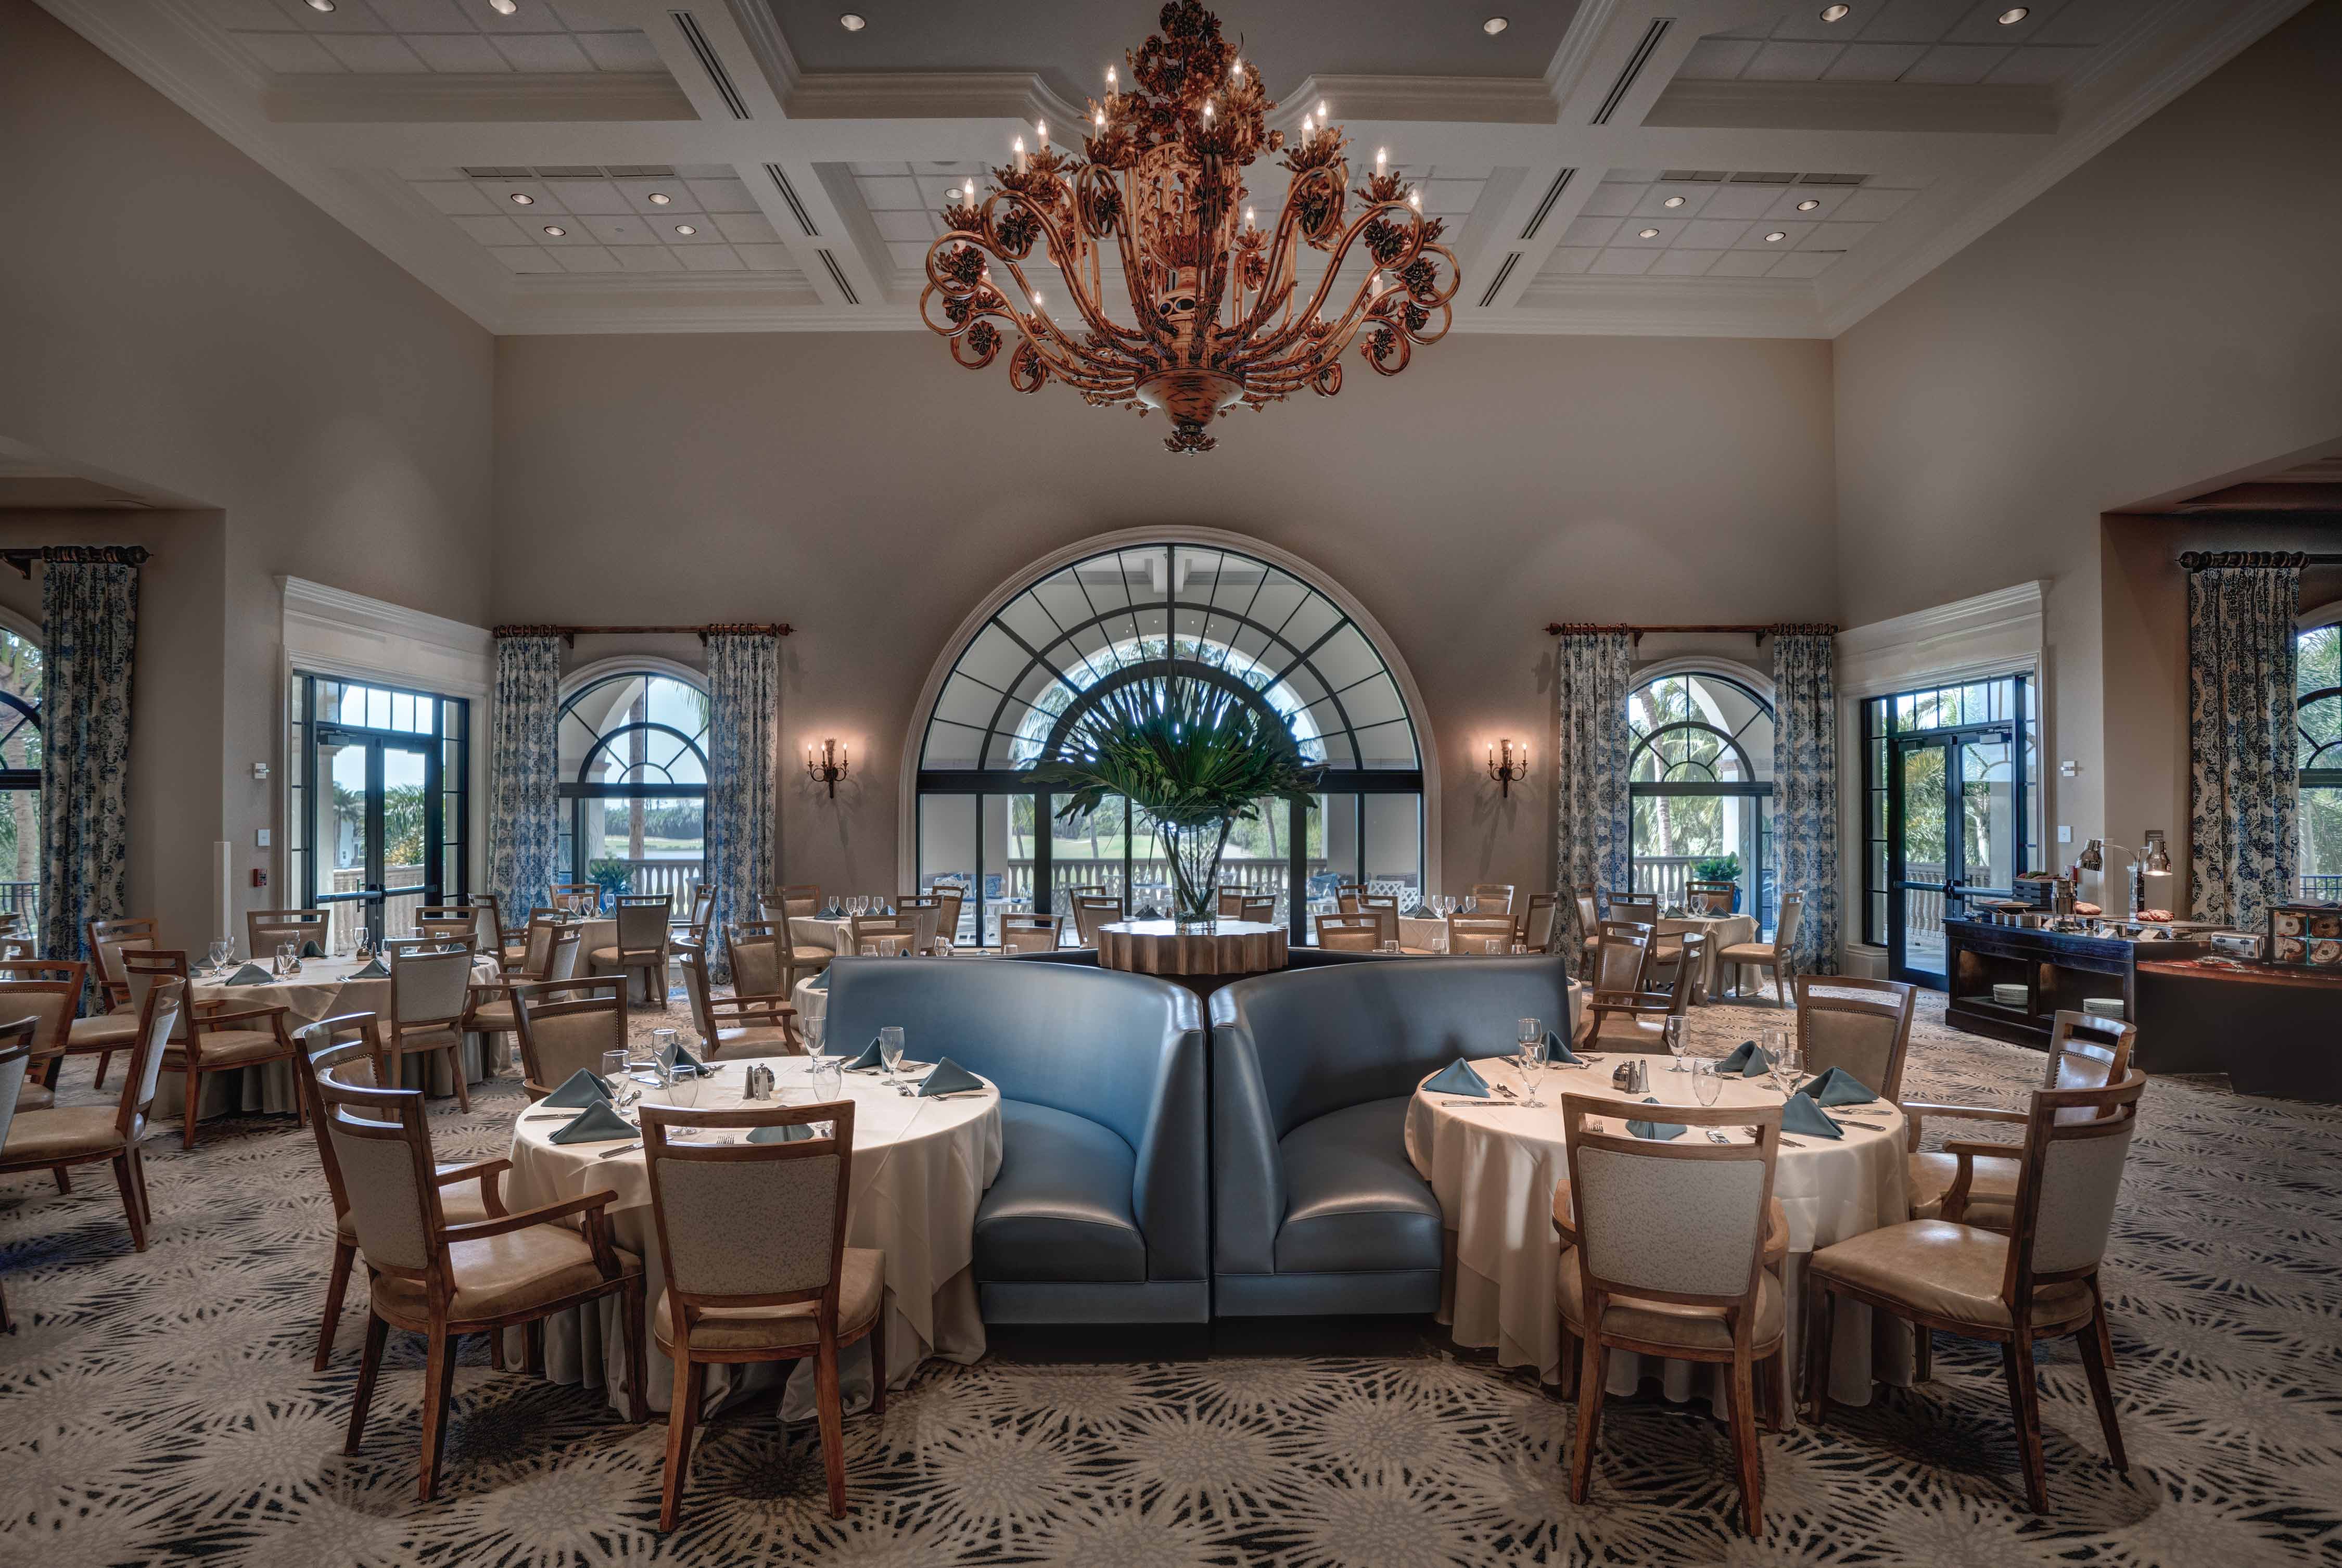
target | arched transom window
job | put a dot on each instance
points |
(634, 783)
(1700, 784)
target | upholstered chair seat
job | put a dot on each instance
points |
(1950, 1272)
(74, 1132)
(861, 1292)
(492, 1016)
(1671, 1322)
(503, 1276)
(36, 1097)
(102, 1030)
(1747, 953)
(229, 1048)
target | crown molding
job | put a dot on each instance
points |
(766, 41)
(332, 630)
(927, 96)
(450, 97)
(1855, 106)
(1988, 633)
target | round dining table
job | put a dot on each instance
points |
(1494, 1166)
(920, 1167)
(322, 988)
(1722, 931)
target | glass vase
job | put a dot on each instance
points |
(1195, 854)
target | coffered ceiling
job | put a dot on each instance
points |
(1682, 166)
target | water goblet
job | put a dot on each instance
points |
(890, 1050)
(1532, 1064)
(828, 1078)
(221, 953)
(1671, 1029)
(1528, 1031)
(1494, 948)
(1706, 1085)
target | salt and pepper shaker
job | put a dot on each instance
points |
(760, 1084)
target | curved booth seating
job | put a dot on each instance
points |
(1098, 1214)
(1319, 1209)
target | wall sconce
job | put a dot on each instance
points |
(829, 769)
(1507, 770)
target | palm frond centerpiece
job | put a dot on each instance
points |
(1195, 757)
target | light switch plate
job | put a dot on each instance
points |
(2065, 834)
(2069, 769)
(261, 838)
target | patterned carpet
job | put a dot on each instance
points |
(159, 1408)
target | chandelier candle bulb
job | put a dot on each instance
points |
(1019, 150)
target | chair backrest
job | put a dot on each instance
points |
(48, 992)
(159, 1002)
(551, 952)
(1492, 898)
(264, 929)
(108, 937)
(1231, 903)
(558, 1037)
(350, 1047)
(575, 896)
(1535, 924)
(703, 909)
(1709, 1249)
(1618, 961)
(449, 922)
(797, 898)
(1861, 1025)
(756, 950)
(1384, 907)
(1470, 933)
(145, 966)
(953, 898)
(1683, 986)
(2076, 1141)
(2087, 1052)
(887, 934)
(752, 1224)
(1029, 934)
(1707, 897)
(1092, 911)
(16, 1056)
(1260, 910)
(1784, 934)
(925, 914)
(1349, 933)
(18, 950)
(490, 916)
(428, 987)
(1641, 909)
(906, 902)
(642, 921)
(381, 1141)
(693, 958)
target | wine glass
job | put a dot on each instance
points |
(890, 1050)
(1528, 1031)
(1671, 1029)
(362, 943)
(814, 1027)
(1706, 1085)
(1531, 1061)
(1496, 948)
(221, 953)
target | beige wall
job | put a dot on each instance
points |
(863, 489)
(2163, 318)
(189, 323)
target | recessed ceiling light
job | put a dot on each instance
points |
(1809, 203)
(1495, 25)
(321, 4)
(852, 22)
(660, 198)
(1672, 201)
(2014, 14)
(1647, 234)
(1837, 13)
(523, 199)
(684, 229)
(555, 230)
(504, 7)
(1776, 237)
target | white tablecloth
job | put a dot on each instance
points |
(1495, 1171)
(323, 989)
(920, 1168)
(1722, 931)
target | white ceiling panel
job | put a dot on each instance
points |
(455, 37)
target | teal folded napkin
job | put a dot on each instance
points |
(250, 975)
(373, 971)
(311, 950)
(1557, 1053)
(680, 1062)
(949, 1078)
(1458, 1078)
(1805, 1118)
(1748, 1060)
(1660, 1131)
(580, 1089)
(1838, 1087)
(787, 1133)
(870, 1057)
(598, 1123)
(819, 982)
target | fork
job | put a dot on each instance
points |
(621, 1149)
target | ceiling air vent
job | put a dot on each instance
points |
(1831, 179)
(837, 276)
(789, 194)
(1634, 64)
(1497, 283)
(1545, 208)
(1764, 177)
(689, 26)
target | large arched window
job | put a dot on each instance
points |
(1700, 786)
(2320, 693)
(20, 778)
(1235, 619)
(634, 783)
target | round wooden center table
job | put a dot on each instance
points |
(920, 1167)
(1493, 1167)
(323, 989)
(1225, 949)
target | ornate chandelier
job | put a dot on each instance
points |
(1216, 314)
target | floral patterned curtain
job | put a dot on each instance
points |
(744, 671)
(2243, 768)
(89, 631)
(1805, 788)
(1592, 750)
(524, 804)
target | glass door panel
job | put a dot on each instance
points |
(378, 817)
(344, 847)
(1988, 828)
(1923, 859)
(406, 857)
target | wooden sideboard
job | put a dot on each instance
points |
(2273, 1028)
(2059, 971)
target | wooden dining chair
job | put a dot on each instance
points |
(887, 935)
(797, 898)
(265, 929)
(1533, 926)
(448, 922)
(1641, 909)
(47, 991)
(2038, 1282)
(1091, 912)
(1029, 934)
(1349, 933)
(350, 1047)
(488, 910)
(1694, 1288)
(115, 1023)
(1230, 904)
(953, 898)
(226, 1036)
(1706, 897)
(1492, 898)
(430, 993)
(928, 911)
(1469, 935)
(640, 945)
(703, 910)
(1777, 957)
(564, 1028)
(1863, 1026)
(1637, 1020)
(745, 1022)
(443, 1279)
(61, 1137)
(490, 1006)
(577, 897)
(736, 1297)
(1589, 925)
(16, 1056)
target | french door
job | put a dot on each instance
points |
(1954, 812)
(374, 866)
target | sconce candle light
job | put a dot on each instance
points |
(1507, 770)
(829, 769)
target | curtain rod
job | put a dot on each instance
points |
(712, 628)
(85, 555)
(2198, 560)
(1809, 628)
